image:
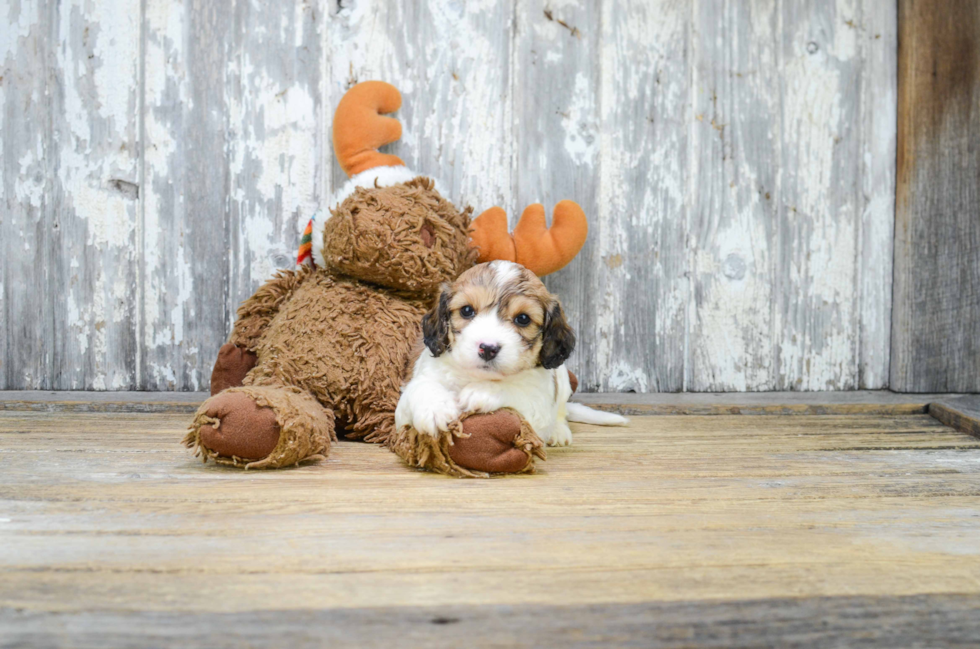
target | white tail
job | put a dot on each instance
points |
(586, 415)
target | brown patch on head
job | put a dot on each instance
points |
(406, 237)
(436, 331)
(558, 338)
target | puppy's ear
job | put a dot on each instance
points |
(558, 339)
(435, 325)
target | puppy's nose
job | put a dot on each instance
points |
(488, 352)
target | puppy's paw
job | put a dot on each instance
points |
(435, 416)
(561, 435)
(472, 399)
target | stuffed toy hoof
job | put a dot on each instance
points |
(476, 446)
(231, 367)
(238, 427)
(499, 442)
(258, 427)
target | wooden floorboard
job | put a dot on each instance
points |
(676, 531)
(882, 402)
(788, 623)
(960, 412)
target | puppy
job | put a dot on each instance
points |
(496, 338)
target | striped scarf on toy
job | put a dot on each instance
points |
(305, 254)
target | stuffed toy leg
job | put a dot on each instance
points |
(259, 427)
(476, 446)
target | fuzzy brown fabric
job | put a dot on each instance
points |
(231, 367)
(476, 446)
(348, 345)
(255, 313)
(405, 237)
(342, 336)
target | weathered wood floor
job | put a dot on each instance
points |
(724, 531)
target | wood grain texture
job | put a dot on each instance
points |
(452, 63)
(918, 621)
(835, 168)
(640, 244)
(878, 98)
(733, 217)
(186, 237)
(103, 517)
(868, 402)
(233, 142)
(557, 131)
(790, 210)
(935, 335)
(69, 115)
(959, 412)
(735, 161)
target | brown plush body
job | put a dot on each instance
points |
(323, 351)
(343, 342)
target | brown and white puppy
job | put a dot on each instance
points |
(496, 338)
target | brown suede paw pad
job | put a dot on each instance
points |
(242, 428)
(230, 368)
(487, 444)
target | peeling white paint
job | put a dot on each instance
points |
(81, 96)
(164, 79)
(29, 186)
(626, 378)
(581, 139)
(178, 314)
(712, 145)
(17, 25)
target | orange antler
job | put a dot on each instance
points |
(539, 248)
(359, 129)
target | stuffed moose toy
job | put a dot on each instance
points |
(324, 350)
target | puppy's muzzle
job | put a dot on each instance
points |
(489, 352)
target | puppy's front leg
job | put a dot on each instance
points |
(561, 434)
(428, 406)
(478, 397)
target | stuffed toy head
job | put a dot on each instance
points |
(392, 227)
(405, 237)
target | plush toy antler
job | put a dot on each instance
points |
(359, 129)
(533, 244)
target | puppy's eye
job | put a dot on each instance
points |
(522, 320)
(467, 312)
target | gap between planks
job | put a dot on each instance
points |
(959, 411)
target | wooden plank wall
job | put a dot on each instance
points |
(936, 338)
(70, 216)
(736, 161)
